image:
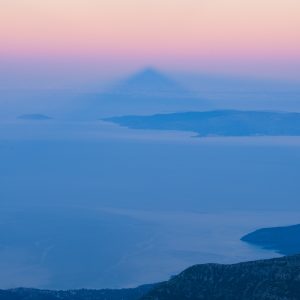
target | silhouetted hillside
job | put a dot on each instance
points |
(272, 279)
(276, 279)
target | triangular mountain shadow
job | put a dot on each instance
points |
(148, 91)
(150, 82)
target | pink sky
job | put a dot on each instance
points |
(242, 36)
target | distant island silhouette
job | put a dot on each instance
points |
(34, 117)
(218, 123)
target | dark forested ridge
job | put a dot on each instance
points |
(272, 279)
(276, 279)
(219, 123)
(285, 240)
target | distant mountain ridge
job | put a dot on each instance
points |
(285, 240)
(218, 122)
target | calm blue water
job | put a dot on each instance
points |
(94, 205)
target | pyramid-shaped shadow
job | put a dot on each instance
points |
(150, 83)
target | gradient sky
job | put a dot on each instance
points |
(257, 37)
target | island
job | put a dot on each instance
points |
(218, 122)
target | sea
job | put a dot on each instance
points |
(95, 205)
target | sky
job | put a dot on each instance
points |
(66, 40)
